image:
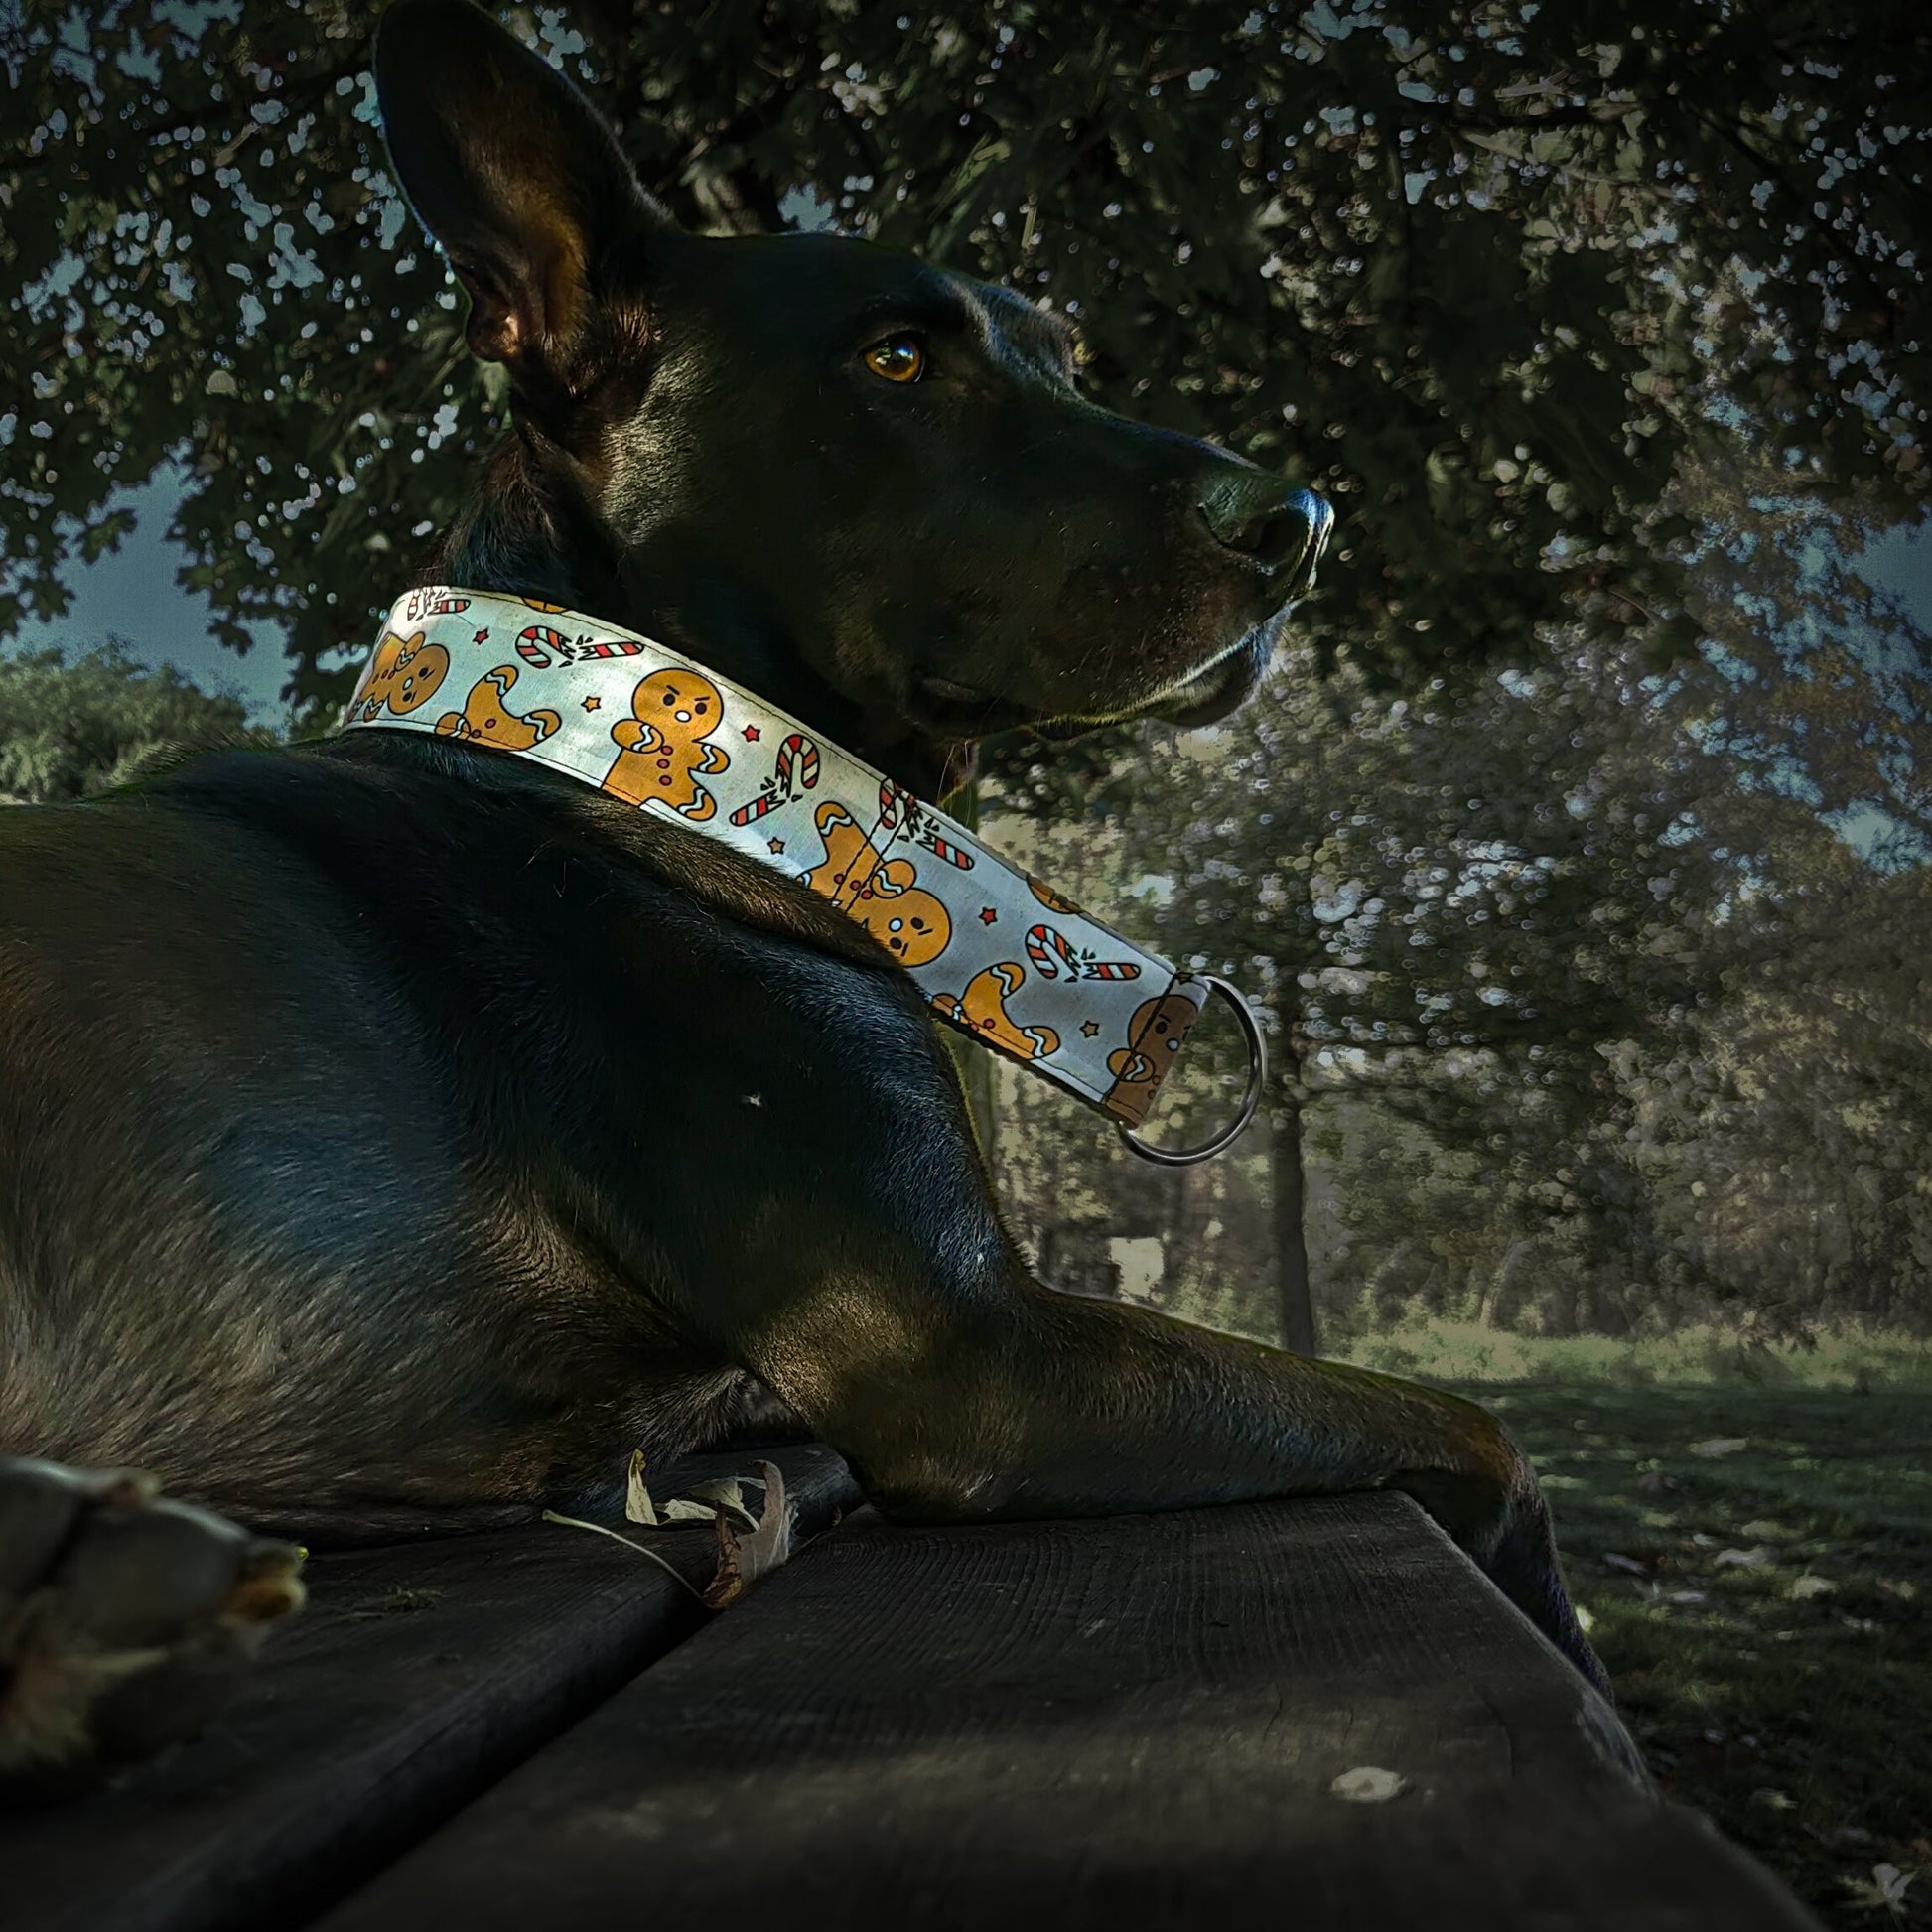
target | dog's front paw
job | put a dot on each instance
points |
(126, 1620)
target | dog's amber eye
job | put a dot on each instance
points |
(898, 359)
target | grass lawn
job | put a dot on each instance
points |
(1756, 1563)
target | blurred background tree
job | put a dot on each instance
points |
(73, 730)
(1487, 274)
(1577, 854)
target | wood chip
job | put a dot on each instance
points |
(1368, 1784)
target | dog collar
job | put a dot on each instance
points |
(996, 953)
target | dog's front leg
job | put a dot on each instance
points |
(1016, 1402)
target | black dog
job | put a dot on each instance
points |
(392, 1130)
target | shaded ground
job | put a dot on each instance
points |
(1758, 1563)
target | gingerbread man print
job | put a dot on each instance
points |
(486, 719)
(405, 672)
(664, 747)
(885, 898)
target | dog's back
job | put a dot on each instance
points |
(391, 1126)
(316, 1069)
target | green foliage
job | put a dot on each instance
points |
(1464, 267)
(1587, 1021)
(73, 730)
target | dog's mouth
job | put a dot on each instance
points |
(949, 709)
(944, 708)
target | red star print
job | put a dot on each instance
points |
(750, 734)
(988, 916)
(778, 845)
(593, 704)
(483, 637)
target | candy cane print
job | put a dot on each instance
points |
(892, 799)
(530, 646)
(797, 770)
(798, 757)
(611, 647)
(946, 850)
(1049, 952)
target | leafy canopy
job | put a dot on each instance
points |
(1466, 267)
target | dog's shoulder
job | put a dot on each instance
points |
(373, 803)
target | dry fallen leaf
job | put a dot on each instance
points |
(638, 1507)
(1368, 1784)
(726, 1492)
(741, 1560)
(1805, 1588)
(1752, 1559)
(1883, 1891)
(1720, 1446)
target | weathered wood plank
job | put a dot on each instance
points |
(417, 1676)
(1128, 1723)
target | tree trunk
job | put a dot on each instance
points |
(1288, 1185)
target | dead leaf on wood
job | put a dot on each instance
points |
(1720, 1446)
(728, 1492)
(638, 1507)
(741, 1560)
(1368, 1784)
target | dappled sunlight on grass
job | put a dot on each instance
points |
(1756, 1563)
(1848, 1361)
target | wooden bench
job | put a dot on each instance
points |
(1124, 1724)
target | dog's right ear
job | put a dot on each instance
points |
(514, 173)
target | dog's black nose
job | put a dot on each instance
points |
(1280, 527)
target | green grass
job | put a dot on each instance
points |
(1851, 1360)
(1748, 1530)
(1766, 1618)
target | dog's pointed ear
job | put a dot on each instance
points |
(514, 173)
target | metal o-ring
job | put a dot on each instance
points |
(1185, 1157)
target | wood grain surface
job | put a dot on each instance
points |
(1125, 1723)
(418, 1674)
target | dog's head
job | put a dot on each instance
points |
(864, 487)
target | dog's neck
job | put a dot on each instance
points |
(520, 533)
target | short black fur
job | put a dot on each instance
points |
(392, 1132)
